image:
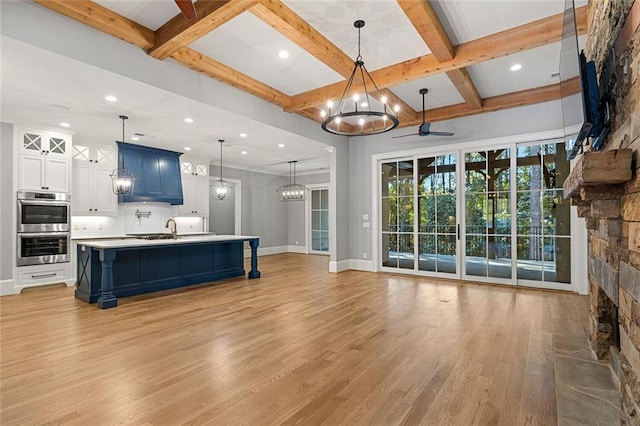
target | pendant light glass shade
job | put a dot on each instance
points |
(122, 179)
(292, 191)
(362, 110)
(220, 186)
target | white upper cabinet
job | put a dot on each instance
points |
(92, 169)
(43, 161)
(195, 188)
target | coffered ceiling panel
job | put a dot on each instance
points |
(441, 92)
(256, 55)
(471, 19)
(150, 13)
(387, 37)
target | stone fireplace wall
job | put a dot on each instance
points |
(614, 234)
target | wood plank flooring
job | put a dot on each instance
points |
(298, 346)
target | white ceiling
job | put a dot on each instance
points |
(45, 96)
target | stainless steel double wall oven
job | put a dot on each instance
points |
(44, 235)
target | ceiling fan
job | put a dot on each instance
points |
(187, 8)
(424, 129)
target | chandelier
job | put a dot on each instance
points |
(122, 179)
(364, 113)
(292, 191)
(221, 187)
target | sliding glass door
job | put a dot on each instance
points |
(419, 214)
(494, 215)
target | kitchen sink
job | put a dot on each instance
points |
(154, 236)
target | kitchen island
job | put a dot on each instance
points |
(108, 269)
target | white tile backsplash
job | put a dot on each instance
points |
(126, 222)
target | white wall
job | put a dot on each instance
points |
(8, 204)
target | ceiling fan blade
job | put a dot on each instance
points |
(404, 136)
(187, 8)
(441, 133)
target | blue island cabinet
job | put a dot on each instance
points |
(109, 270)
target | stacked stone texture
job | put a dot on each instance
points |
(614, 238)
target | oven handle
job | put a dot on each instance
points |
(44, 234)
(54, 203)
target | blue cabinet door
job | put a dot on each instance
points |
(157, 173)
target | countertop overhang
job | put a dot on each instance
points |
(127, 242)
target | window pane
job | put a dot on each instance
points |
(389, 215)
(405, 214)
(500, 257)
(529, 258)
(405, 251)
(446, 253)
(324, 220)
(502, 211)
(476, 256)
(324, 199)
(426, 171)
(405, 178)
(427, 219)
(475, 213)
(529, 213)
(427, 252)
(446, 213)
(390, 250)
(315, 240)
(324, 241)
(389, 179)
(315, 220)
(315, 199)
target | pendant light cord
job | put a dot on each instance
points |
(123, 117)
(221, 142)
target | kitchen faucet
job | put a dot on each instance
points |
(174, 229)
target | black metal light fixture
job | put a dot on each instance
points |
(292, 191)
(122, 179)
(360, 113)
(220, 186)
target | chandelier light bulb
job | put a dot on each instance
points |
(323, 113)
(337, 120)
(396, 108)
(383, 99)
(361, 122)
(329, 104)
(364, 104)
(356, 97)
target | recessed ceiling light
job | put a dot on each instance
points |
(243, 152)
(188, 120)
(516, 67)
(63, 124)
(243, 135)
(283, 54)
(110, 98)
(187, 148)
(135, 138)
(280, 145)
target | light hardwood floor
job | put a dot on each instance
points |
(298, 346)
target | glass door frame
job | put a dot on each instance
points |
(377, 251)
(307, 218)
(577, 233)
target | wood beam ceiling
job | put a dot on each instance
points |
(429, 27)
(102, 19)
(289, 24)
(524, 37)
(179, 32)
(528, 36)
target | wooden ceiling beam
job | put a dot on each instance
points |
(180, 32)
(282, 19)
(494, 103)
(102, 19)
(426, 22)
(524, 37)
(429, 27)
(212, 68)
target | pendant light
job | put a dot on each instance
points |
(360, 113)
(220, 187)
(292, 191)
(122, 179)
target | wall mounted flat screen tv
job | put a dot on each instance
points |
(579, 88)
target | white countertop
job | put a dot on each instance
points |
(182, 239)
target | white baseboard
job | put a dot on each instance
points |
(297, 249)
(7, 287)
(340, 266)
(361, 265)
